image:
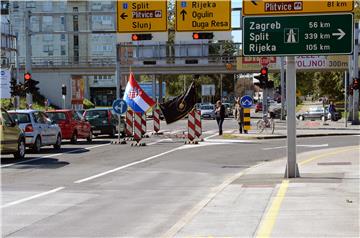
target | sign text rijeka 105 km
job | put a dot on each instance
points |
(271, 7)
(298, 35)
(203, 15)
(141, 16)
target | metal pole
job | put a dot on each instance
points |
(160, 89)
(118, 84)
(350, 97)
(221, 88)
(292, 170)
(345, 96)
(282, 85)
(64, 101)
(356, 75)
(29, 99)
(17, 98)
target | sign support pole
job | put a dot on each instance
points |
(118, 84)
(282, 85)
(355, 120)
(292, 170)
(345, 96)
(29, 98)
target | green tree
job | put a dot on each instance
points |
(330, 84)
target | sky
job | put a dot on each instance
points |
(236, 19)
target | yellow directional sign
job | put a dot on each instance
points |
(272, 7)
(203, 15)
(141, 16)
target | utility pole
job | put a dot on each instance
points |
(29, 99)
(17, 98)
(345, 96)
(355, 118)
(282, 85)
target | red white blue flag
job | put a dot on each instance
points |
(136, 98)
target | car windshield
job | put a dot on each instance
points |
(57, 116)
(20, 117)
(207, 107)
(96, 114)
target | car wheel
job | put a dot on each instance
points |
(301, 118)
(20, 154)
(37, 145)
(74, 138)
(89, 139)
(58, 142)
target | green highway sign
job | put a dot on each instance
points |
(325, 34)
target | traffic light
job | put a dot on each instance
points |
(356, 84)
(138, 37)
(203, 36)
(63, 90)
(27, 76)
(263, 78)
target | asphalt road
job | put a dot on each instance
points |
(106, 190)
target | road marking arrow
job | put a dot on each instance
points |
(124, 16)
(341, 34)
(183, 13)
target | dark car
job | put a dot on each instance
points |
(258, 107)
(104, 122)
(318, 113)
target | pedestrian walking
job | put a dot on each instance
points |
(220, 115)
(239, 115)
(332, 110)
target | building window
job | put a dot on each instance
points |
(62, 37)
(30, 4)
(48, 37)
(48, 49)
(63, 50)
(47, 23)
(75, 9)
(76, 23)
(62, 20)
(47, 6)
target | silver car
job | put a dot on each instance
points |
(207, 111)
(38, 128)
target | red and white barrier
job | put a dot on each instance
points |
(143, 124)
(157, 120)
(198, 128)
(137, 126)
(129, 123)
(191, 126)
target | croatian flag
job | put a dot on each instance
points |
(136, 98)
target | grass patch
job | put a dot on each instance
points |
(229, 136)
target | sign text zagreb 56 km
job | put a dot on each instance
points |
(298, 35)
(141, 16)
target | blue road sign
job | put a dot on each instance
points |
(246, 101)
(125, 5)
(119, 106)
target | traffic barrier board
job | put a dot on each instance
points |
(141, 16)
(298, 35)
(271, 7)
(203, 15)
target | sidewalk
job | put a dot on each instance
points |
(303, 129)
(323, 202)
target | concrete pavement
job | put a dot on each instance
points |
(259, 202)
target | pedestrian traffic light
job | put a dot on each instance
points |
(63, 90)
(203, 36)
(27, 76)
(138, 37)
(356, 84)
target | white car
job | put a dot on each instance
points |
(39, 130)
(207, 111)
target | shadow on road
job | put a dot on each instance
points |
(44, 163)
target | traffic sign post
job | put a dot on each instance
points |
(141, 16)
(120, 107)
(203, 15)
(271, 7)
(298, 35)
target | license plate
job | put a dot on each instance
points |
(96, 132)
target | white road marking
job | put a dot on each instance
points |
(159, 141)
(53, 155)
(229, 141)
(309, 146)
(32, 197)
(206, 138)
(126, 166)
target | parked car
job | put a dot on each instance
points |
(104, 121)
(275, 110)
(73, 125)
(39, 129)
(12, 138)
(317, 113)
(207, 111)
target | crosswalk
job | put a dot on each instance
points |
(182, 131)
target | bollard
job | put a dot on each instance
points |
(157, 121)
(129, 123)
(137, 127)
(198, 129)
(191, 126)
(247, 125)
(143, 124)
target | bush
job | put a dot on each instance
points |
(88, 104)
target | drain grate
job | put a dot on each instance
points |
(234, 166)
(334, 163)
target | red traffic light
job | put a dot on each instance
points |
(195, 36)
(203, 36)
(137, 37)
(264, 71)
(27, 76)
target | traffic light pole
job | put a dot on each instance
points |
(282, 85)
(29, 99)
(292, 170)
(355, 107)
(345, 96)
